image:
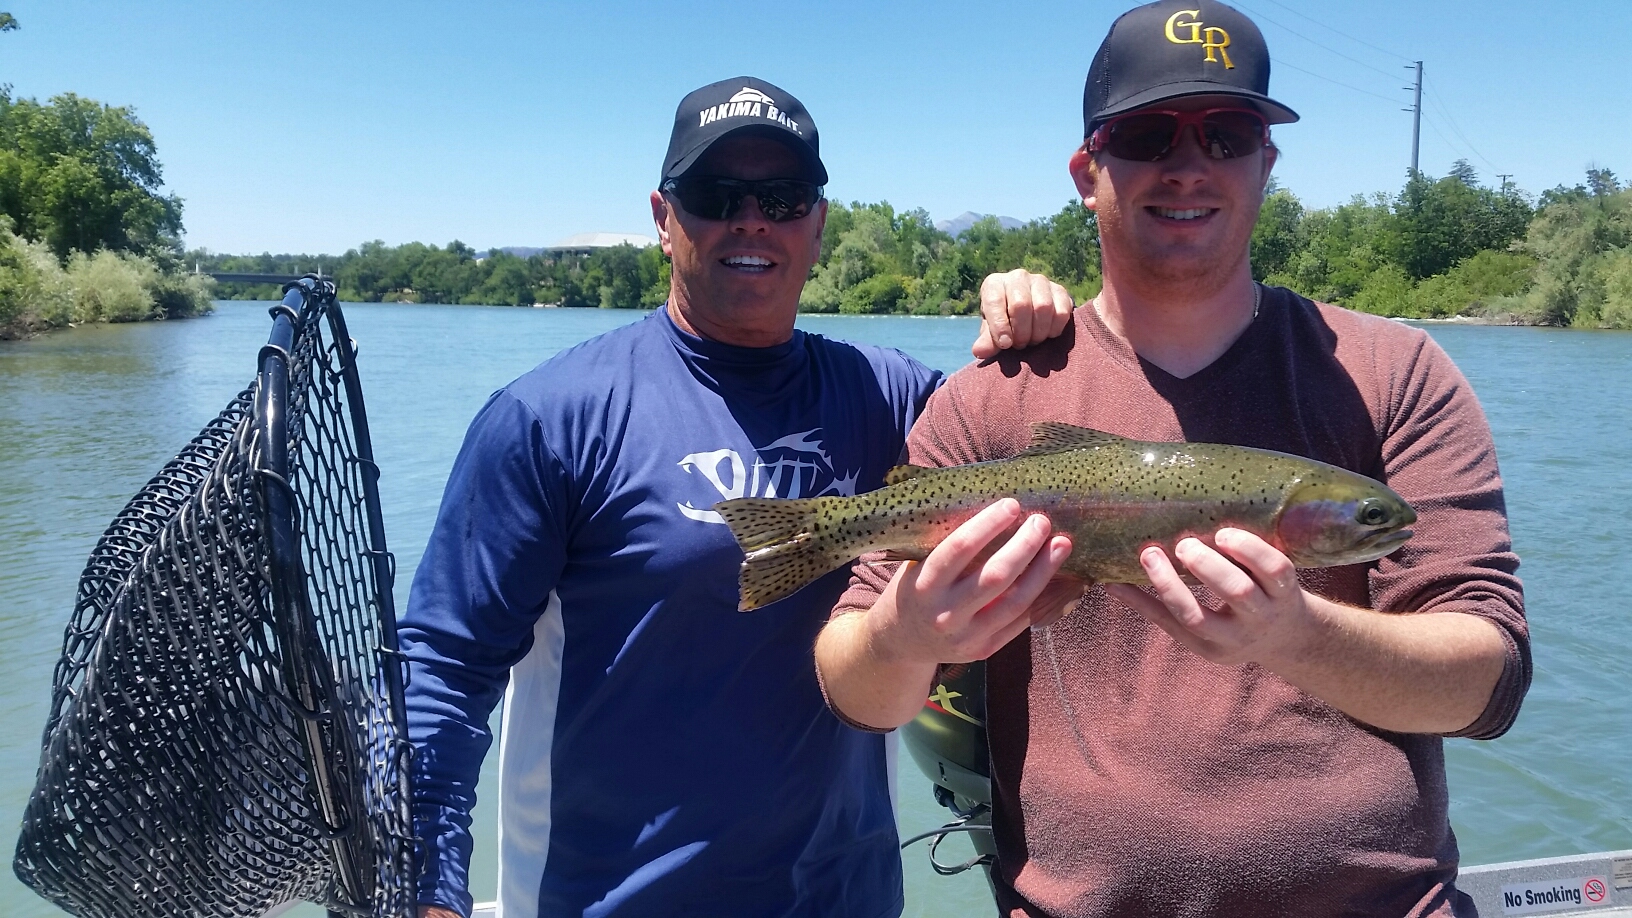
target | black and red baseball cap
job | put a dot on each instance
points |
(1176, 48)
(742, 105)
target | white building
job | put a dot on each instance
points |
(585, 243)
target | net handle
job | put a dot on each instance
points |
(393, 664)
(305, 665)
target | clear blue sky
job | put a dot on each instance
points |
(509, 123)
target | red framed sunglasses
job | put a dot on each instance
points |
(1150, 135)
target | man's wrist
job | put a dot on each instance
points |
(866, 684)
(873, 633)
(1308, 640)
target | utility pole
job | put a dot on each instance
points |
(1504, 176)
(1416, 118)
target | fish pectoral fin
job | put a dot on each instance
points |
(902, 472)
(1048, 437)
(894, 555)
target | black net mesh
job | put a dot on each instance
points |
(226, 729)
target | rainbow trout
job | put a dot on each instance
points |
(1113, 496)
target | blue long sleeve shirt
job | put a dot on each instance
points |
(662, 753)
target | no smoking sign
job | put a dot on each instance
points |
(1594, 890)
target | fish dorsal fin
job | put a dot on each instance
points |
(902, 472)
(1048, 437)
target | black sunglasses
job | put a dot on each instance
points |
(1150, 136)
(711, 198)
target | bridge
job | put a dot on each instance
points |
(234, 277)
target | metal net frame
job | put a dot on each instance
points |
(227, 731)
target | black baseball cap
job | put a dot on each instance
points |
(742, 105)
(1176, 48)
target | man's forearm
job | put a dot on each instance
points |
(861, 683)
(448, 709)
(1431, 672)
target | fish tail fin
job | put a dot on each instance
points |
(782, 553)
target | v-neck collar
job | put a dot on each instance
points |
(1204, 381)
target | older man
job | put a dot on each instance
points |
(663, 754)
(1268, 743)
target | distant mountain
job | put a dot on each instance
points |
(955, 226)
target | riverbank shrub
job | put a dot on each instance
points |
(38, 293)
(1616, 309)
(1475, 286)
(1385, 292)
(34, 290)
(108, 288)
(180, 295)
(878, 294)
(1481, 286)
(1581, 239)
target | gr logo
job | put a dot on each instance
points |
(1211, 38)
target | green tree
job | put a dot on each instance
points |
(621, 276)
(1441, 222)
(508, 282)
(1275, 238)
(1071, 248)
(444, 275)
(656, 266)
(83, 176)
(1602, 182)
(1339, 248)
(1580, 239)
(881, 293)
(858, 242)
(875, 259)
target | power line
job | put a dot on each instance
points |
(1328, 79)
(1457, 148)
(1451, 144)
(1416, 108)
(1441, 136)
(1316, 43)
(1445, 110)
(1336, 31)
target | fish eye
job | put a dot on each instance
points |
(1372, 513)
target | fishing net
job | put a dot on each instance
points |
(226, 730)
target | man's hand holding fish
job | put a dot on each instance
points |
(1330, 650)
(961, 603)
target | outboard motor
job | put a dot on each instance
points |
(948, 741)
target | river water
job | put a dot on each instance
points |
(87, 416)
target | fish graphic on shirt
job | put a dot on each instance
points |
(797, 465)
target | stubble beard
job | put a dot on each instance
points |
(1171, 273)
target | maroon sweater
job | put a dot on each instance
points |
(1132, 777)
